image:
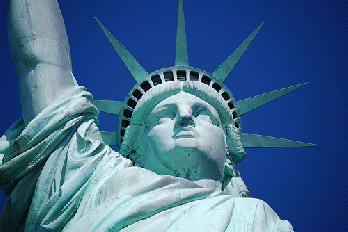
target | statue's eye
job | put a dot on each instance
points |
(162, 115)
(166, 114)
(204, 114)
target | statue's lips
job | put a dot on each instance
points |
(185, 134)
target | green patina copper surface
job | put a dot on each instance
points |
(137, 71)
(181, 56)
(227, 66)
(179, 135)
(252, 103)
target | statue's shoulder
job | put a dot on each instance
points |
(259, 214)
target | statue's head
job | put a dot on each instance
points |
(184, 122)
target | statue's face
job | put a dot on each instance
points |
(184, 137)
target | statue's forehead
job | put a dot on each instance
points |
(184, 100)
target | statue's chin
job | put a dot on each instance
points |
(187, 161)
(184, 156)
(186, 142)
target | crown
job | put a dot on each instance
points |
(163, 80)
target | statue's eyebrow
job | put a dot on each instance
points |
(164, 107)
(199, 107)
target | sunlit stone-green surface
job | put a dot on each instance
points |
(177, 168)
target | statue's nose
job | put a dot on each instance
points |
(186, 120)
(185, 116)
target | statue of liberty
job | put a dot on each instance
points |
(179, 137)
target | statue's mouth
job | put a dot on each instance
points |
(185, 134)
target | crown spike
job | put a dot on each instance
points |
(111, 107)
(181, 56)
(137, 71)
(227, 66)
(252, 103)
(260, 141)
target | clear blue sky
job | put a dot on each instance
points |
(301, 41)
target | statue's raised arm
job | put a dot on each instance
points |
(40, 52)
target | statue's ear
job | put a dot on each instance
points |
(234, 143)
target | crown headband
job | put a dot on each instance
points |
(183, 72)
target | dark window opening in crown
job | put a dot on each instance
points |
(181, 75)
(234, 114)
(216, 87)
(125, 123)
(230, 104)
(137, 94)
(194, 76)
(206, 80)
(145, 86)
(156, 80)
(131, 103)
(225, 96)
(127, 113)
(168, 76)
